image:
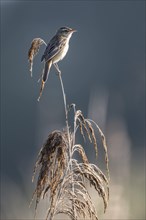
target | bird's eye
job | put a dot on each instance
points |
(65, 30)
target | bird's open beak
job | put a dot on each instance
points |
(73, 30)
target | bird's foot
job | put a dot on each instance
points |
(57, 68)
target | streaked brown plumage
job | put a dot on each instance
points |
(55, 51)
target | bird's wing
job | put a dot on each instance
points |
(53, 48)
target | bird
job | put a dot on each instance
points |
(55, 51)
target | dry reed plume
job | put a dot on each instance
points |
(63, 177)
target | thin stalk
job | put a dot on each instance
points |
(68, 133)
(69, 138)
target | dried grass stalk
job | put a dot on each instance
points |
(34, 49)
(65, 180)
(104, 146)
(85, 123)
(52, 160)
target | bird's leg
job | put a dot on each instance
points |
(57, 68)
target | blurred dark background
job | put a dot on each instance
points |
(103, 73)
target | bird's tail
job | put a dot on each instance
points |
(45, 76)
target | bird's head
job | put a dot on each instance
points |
(65, 31)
